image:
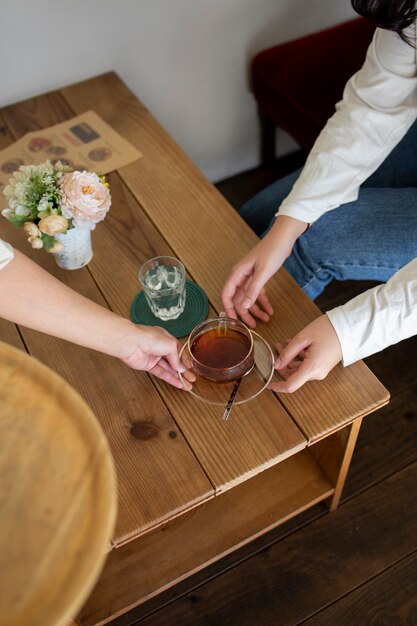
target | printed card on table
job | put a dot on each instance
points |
(85, 142)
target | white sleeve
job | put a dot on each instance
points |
(378, 317)
(379, 105)
(6, 253)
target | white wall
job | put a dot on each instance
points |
(186, 59)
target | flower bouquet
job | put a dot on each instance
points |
(50, 200)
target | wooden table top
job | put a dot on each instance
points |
(58, 495)
(171, 451)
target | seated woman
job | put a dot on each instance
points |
(33, 298)
(362, 209)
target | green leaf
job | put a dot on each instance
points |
(48, 242)
(18, 220)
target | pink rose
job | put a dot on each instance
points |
(84, 198)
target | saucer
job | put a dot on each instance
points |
(253, 383)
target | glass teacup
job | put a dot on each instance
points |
(221, 349)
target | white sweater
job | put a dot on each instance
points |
(379, 105)
(6, 253)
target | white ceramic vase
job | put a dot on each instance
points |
(77, 250)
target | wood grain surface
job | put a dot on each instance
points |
(309, 569)
(145, 440)
(204, 535)
(261, 432)
(171, 452)
(58, 495)
(210, 237)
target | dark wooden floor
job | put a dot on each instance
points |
(353, 567)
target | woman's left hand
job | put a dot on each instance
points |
(310, 355)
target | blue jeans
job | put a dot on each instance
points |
(369, 239)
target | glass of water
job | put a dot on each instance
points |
(163, 283)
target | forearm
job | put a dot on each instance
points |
(378, 107)
(283, 234)
(35, 299)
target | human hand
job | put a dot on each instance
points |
(153, 349)
(243, 294)
(310, 355)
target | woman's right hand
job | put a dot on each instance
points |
(243, 294)
(154, 350)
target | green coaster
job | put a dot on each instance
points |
(196, 309)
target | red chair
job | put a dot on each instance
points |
(297, 84)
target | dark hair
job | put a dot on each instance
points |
(393, 15)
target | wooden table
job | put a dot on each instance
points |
(191, 487)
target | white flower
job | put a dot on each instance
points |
(85, 199)
(6, 213)
(22, 210)
(44, 205)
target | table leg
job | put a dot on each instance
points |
(334, 454)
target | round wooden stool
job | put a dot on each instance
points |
(57, 495)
